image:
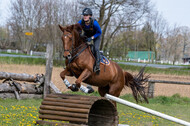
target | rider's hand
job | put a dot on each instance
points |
(89, 39)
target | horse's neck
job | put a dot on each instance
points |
(86, 60)
(78, 42)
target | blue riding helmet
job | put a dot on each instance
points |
(87, 11)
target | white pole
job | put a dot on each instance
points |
(133, 105)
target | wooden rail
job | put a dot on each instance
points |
(151, 85)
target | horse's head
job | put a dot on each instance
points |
(70, 38)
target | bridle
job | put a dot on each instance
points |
(73, 50)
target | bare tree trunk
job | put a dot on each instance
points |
(16, 76)
(23, 88)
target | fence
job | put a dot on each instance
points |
(151, 85)
(21, 52)
(33, 54)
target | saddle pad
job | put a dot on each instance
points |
(105, 61)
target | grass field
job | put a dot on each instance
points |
(25, 112)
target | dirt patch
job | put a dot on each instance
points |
(160, 89)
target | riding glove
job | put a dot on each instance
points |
(89, 39)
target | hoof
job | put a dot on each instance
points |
(74, 88)
(90, 89)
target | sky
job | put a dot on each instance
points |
(4, 5)
(174, 11)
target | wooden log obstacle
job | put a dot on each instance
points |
(77, 110)
(22, 85)
(41, 84)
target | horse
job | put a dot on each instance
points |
(79, 63)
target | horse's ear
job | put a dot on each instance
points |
(62, 28)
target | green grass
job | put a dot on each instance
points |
(19, 113)
(27, 61)
(25, 112)
(20, 60)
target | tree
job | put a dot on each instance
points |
(25, 17)
(4, 37)
(158, 25)
(173, 45)
(55, 13)
(148, 35)
(185, 32)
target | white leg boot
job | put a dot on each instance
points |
(67, 83)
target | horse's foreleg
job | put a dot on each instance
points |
(84, 75)
(64, 73)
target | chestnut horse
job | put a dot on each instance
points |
(80, 61)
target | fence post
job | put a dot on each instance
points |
(151, 89)
(49, 67)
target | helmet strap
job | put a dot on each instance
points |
(88, 20)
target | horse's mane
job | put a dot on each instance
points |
(76, 30)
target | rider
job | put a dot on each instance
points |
(93, 31)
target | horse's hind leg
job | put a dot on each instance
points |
(115, 90)
(103, 90)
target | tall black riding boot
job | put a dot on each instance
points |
(97, 67)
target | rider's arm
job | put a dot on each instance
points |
(97, 28)
(80, 22)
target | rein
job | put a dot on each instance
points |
(76, 55)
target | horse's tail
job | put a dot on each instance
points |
(136, 83)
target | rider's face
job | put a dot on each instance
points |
(86, 17)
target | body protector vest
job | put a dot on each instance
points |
(89, 32)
